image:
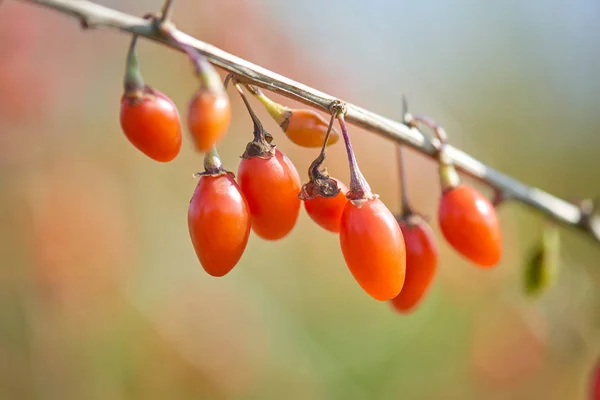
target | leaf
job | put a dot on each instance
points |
(541, 268)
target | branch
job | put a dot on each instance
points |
(94, 15)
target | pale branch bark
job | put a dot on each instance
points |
(94, 15)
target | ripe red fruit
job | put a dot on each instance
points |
(373, 247)
(467, 218)
(469, 223)
(421, 262)
(219, 223)
(151, 122)
(271, 186)
(209, 116)
(327, 211)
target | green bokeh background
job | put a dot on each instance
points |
(101, 294)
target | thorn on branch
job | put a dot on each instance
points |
(166, 11)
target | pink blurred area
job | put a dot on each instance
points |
(101, 295)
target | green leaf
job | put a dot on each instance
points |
(541, 268)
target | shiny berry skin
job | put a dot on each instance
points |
(469, 223)
(373, 247)
(150, 121)
(209, 116)
(421, 263)
(327, 211)
(271, 187)
(307, 128)
(218, 223)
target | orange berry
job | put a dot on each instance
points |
(304, 127)
(421, 262)
(307, 128)
(469, 223)
(151, 122)
(271, 186)
(219, 223)
(209, 116)
(373, 247)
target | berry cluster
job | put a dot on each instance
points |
(392, 258)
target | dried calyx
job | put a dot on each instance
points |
(261, 145)
(449, 178)
(320, 183)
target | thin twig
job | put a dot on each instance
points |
(406, 208)
(93, 15)
(167, 11)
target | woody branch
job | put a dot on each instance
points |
(92, 15)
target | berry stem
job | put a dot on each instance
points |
(212, 161)
(133, 80)
(261, 145)
(277, 111)
(313, 171)
(207, 74)
(359, 191)
(320, 183)
(258, 128)
(406, 208)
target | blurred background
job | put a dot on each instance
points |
(101, 294)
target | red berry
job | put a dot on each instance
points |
(271, 186)
(468, 221)
(209, 116)
(327, 211)
(373, 247)
(219, 223)
(151, 122)
(595, 388)
(421, 262)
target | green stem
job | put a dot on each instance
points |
(212, 161)
(133, 78)
(205, 72)
(276, 110)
